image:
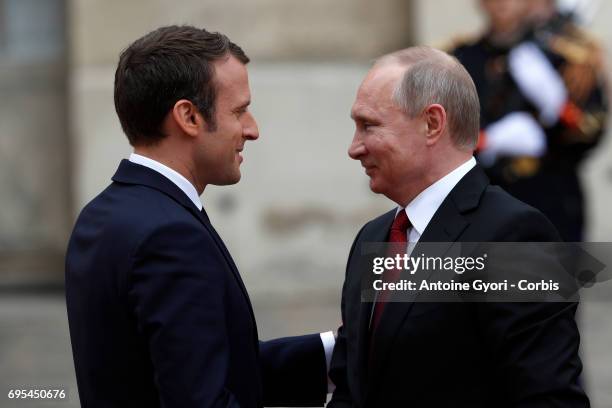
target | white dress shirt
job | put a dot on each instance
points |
(328, 339)
(172, 175)
(423, 207)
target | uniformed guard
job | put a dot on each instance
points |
(543, 104)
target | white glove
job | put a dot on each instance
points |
(538, 80)
(516, 134)
(582, 11)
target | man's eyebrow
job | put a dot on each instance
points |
(361, 117)
(243, 105)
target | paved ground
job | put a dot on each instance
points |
(35, 348)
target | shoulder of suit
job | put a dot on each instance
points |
(379, 221)
(508, 215)
(141, 208)
(503, 204)
(459, 41)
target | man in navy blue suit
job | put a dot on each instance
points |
(158, 313)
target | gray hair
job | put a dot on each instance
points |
(433, 76)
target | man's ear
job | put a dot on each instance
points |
(187, 117)
(435, 122)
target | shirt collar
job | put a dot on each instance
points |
(423, 207)
(172, 175)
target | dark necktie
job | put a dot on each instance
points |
(397, 245)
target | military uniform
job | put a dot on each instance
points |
(550, 182)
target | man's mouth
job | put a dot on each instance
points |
(368, 168)
(239, 153)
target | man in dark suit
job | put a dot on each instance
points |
(416, 116)
(158, 313)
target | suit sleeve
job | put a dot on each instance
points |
(338, 371)
(176, 294)
(341, 397)
(533, 347)
(294, 371)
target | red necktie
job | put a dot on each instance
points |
(397, 240)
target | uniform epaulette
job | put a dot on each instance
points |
(576, 46)
(581, 35)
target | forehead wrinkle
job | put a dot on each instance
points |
(362, 111)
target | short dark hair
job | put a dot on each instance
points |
(164, 66)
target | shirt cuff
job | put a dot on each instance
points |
(329, 340)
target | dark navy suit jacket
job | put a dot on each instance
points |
(451, 354)
(158, 313)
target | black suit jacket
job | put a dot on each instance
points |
(459, 354)
(158, 313)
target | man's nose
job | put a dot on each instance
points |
(356, 149)
(250, 131)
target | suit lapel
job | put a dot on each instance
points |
(378, 232)
(228, 258)
(132, 173)
(445, 227)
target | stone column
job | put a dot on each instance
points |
(35, 203)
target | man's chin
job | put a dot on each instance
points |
(228, 181)
(375, 187)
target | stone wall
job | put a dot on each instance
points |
(267, 29)
(290, 221)
(60, 140)
(35, 199)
